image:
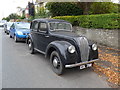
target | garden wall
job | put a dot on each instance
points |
(101, 36)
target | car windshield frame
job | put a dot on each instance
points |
(22, 26)
(70, 30)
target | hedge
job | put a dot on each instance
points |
(104, 21)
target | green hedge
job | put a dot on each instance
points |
(105, 21)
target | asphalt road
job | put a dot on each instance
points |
(20, 69)
(0, 59)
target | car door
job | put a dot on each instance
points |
(12, 30)
(43, 36)
(34, 33)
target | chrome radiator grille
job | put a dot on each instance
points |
(84, 48)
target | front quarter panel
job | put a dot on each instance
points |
(62, 48)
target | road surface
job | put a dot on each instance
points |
(20, 69)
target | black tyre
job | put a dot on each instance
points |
(7, 33)
(31, 46)
(10, 36)
(56, 63)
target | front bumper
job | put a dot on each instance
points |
(22, 36)
(82, 63)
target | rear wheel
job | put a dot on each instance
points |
(56, 63)
(10, 36)
(7, 33)
(30, 46)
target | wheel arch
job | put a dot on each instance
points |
(60, 47)
(29, 37)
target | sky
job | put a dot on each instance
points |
(10, 6)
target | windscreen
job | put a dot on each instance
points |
(60, 26)
(23, 25)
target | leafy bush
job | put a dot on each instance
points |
(63, 8)
(103, 7)
(105, 21)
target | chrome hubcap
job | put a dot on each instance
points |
(29, 45)
(55, 62)
(15, 38)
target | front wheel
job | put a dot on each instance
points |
(15, 38)
(30, 46)
(56, 63)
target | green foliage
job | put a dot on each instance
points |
(31, 18)
(104, 21)
(103, 7)
(12, 16)
(63, 8)
(8, 19)
(41, 13)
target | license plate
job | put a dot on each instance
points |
(89, 65)
(85, 66)
(82, 67)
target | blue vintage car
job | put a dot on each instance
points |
(19, 31)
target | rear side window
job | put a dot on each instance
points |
(34, 26)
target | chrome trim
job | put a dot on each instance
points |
(84, 48)
(78, 64)
(39, 51)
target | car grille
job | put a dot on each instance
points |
(84, 48)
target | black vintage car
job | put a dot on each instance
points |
(61, 45)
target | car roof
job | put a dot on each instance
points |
(50, 20)
(20, 22)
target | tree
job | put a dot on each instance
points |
(63, 8)
(12, 16)
(85, 6)
(42, 13)
(103, 7)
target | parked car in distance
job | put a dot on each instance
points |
(64, 48)
(7, 27)
(1, 25)
(19, 31)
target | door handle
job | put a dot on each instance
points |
(47, 36)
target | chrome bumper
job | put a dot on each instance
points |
(78, 64)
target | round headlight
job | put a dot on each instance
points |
(71, 49)
(94, 47)
(19, 33)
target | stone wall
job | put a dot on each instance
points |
(101, 36)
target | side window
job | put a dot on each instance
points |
(42, 27)
(34, 26)
(13, 26)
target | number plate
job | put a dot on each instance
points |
(82, 67)
(85, 66)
